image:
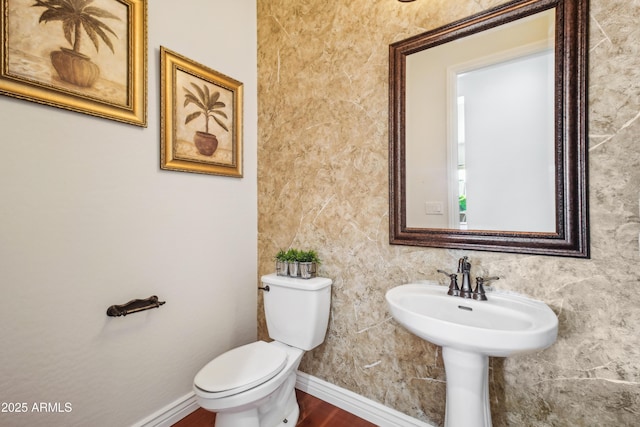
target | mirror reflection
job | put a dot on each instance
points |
(487, 132)
(480, 130)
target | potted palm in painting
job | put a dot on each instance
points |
(78, 17)
(209, 106)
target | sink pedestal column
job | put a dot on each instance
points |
(467, 388)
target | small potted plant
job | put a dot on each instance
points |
(281, 263)
(308, 262)
(292, 261)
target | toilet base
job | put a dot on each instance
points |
(292, 419)
(272, 411)
(251, 420)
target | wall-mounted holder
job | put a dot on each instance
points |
(134, 306)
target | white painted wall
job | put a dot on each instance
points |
(87, 220)
(509, 162)
(427, 123)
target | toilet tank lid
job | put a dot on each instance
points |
(312, 284)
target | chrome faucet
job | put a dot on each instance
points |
(465, 291)
(464, 267)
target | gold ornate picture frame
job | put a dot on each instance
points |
(88, 56)
(201, 118)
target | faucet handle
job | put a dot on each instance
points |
(486, 280)
(453, 284)
(479, 292)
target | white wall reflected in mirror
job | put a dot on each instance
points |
(480, 130)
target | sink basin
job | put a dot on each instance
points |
(502, 326)
(470, 331)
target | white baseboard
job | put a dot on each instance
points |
(360, 406)
(349, 401)
(172, 413)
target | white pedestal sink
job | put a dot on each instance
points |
(470, 331)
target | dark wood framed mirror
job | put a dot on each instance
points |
(473, 163)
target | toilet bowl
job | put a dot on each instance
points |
(254, 385)
(258, 397)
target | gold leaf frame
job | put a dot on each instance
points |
(179, 151)
(120, 89)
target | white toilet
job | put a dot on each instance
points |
(253, 385)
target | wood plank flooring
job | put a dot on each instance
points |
(313, 413)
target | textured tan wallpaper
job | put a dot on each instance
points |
(323, 184)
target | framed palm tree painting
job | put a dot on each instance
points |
(201, 119)
(88, 56)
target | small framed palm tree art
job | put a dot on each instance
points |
(88, 56)
(201, 123)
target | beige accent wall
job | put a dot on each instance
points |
(323, 184)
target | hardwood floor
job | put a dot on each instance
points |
(313, 413)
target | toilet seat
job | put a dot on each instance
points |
(240, 369)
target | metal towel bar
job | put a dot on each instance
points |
(134, 306)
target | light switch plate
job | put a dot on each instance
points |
(434, 208)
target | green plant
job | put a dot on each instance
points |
(292, 255)
(281, 255)
(462, 200)
(77, 14)
(208, 103)
(308, 256)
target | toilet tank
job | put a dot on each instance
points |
(297, 310)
